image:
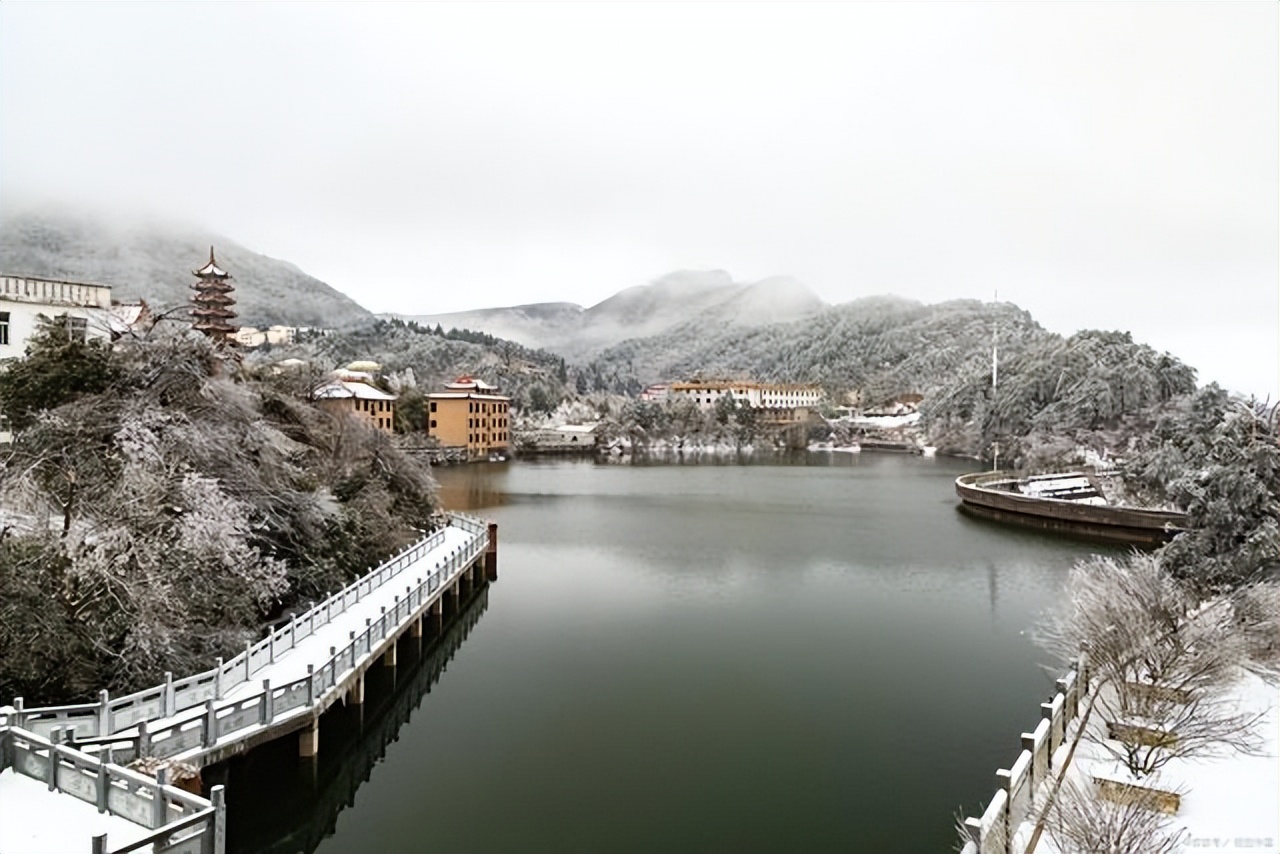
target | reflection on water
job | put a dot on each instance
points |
(813, 653)
(478, 491)
(281, 804)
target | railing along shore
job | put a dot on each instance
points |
(1025, 789)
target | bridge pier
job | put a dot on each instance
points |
(436, 614)
(389, 657)
(355, 695)
(415, 628)
(309, 740)
(491, 554)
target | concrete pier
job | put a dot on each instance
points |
(491, 554)
(309, 740)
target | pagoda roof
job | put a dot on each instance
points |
(466, 382)
(211, 269)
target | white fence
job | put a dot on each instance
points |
(183, 823)
(1029, 781)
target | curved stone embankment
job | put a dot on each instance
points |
(990, 495)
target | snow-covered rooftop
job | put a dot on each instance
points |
(470, 383)
(344, 390)
(463, 395)
(578, 428)
(212, 269)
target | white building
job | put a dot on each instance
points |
(657, 392)
(24, 299)
(250, 336)
(706, 393)
(82, 308)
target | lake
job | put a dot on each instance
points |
(817, 653)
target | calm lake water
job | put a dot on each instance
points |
(816, 654)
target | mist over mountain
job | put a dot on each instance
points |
(882, 344)
(152, 260)
(677, 326)
(674, 300)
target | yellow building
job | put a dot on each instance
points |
(359, 399)
(470, 414)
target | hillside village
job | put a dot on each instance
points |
(466, 418)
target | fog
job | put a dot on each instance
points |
(1102, 165)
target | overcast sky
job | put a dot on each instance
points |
(1108, 165)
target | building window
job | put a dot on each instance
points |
(77, 328)
(4, 327)
(433, 423)
(433, 406)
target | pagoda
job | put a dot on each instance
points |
(211, 304)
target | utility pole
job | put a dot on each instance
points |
(995, 335)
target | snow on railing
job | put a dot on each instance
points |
(181, 821)
(106, 718)
(1025, 789)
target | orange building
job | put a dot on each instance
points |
(470, 414)
(359, 399)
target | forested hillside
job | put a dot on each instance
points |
(1049, 387)
(879, 345)
(419, 359)
(159, 502)
(707, 297)
(1054, 393)
(154, 260)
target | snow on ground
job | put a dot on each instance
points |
(34, 820)
(1229, 803)
(882, 422)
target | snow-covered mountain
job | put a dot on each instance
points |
(673, 300)
(151, 260)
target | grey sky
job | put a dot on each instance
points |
(1108, 165)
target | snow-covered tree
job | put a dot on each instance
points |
(167, 514)
(1082, 823)
(1162, 659)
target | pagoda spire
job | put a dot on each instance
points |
(212, 300)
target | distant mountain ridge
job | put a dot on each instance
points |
(153, 260)
(674, 300)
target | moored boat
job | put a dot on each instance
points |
(1070, 502)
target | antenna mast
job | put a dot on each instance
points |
(995, 333)
(995, 330)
